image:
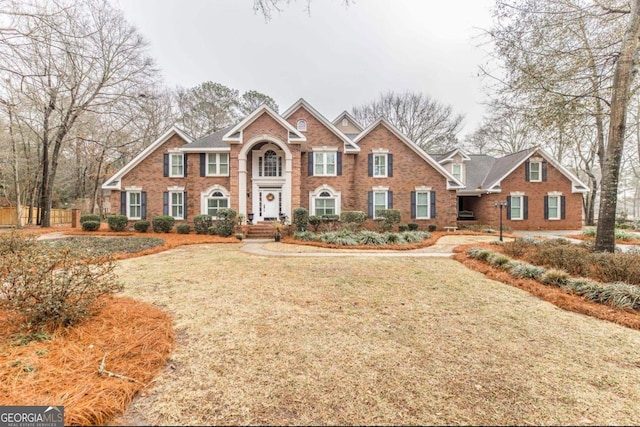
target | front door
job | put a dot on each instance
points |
(271, 204)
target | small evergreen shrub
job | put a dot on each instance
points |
(315, 222)
(479, 253)
(343, 238)
(183, 228)
(117, 222)
(301, 219)
(403, 227)
(498, 260)
(555, 277)
(239, 236)
(89, 217)
(91, 225)
(589, 231)
(354, 220)
(394, 238)
(625, 236)
(162, 223)
(141, 226)
(412, 236)
(414, 226)
(431, 227)
(201, 224)
(517, 247)
(213, 230)
(525, 270)
(372, 238)
(225, 223)
(305, 236)
(391, 218)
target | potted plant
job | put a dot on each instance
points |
(277, 230)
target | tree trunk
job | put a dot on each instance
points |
(623, 75)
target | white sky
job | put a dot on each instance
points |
(335, 57)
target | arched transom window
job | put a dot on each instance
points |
(270, 164)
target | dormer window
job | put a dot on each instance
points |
(345, 123)
(456, 171)
(301, 125)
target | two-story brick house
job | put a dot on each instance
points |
(269, 164)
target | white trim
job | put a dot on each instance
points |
(462, 170)
(385, 162)
(450, 157)
(205, 196)
(380, 150)
(558, 198)
(428, 193)
(335, 195)
(380, 188)
(535, 162)
(206, 164)
(128, 204)
(423, 188)
(324, 148)
(133, 188)
(301, 125)
(207, 150)
(175, 188)
(386, 199)
(253, 116)
(337, 132)
(518, 195)
(351, 119)
(176, 154)
(554, 193)
(437, 166)
(324, 153)
(171, 205)
(115, 182)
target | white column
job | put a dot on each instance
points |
(288, 189)
(242, 187)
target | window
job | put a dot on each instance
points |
(215, 202)
(380, 199)
(134, 205)
(516, 207)
(553, 207)
(379, 165)
(325, 204)
(456, 171)
(301, 125)
(271, 164)
(535, 171)
(218, 164)
(345, 123)
(324, 164)
(422, 205)
(176, 165)
(176, 204)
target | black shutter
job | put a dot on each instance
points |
(339, 163)
(432, 198)
(389, 164)
(508, 207)
(184, 205)
(389, 199)
(165, 169)
(370, 164)
(370, 204)
(203, 164)
(546, 207)
(123, 203)
(525, 207)
(184, 160)
(563, 208)
(526, 170)
(143, 205)
(165, 203)
(544, 171)
(311, 156)
(413, 204)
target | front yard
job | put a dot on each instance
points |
(271, 340)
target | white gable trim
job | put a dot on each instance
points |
(298, 138)
(302, 103)
(452, 182)
(345, 114)
(114, 183)
(450, 157)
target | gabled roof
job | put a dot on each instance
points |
(234, 135)
(113, 183)
(348, 143)
(211, 142)
(452, 182)
(345, 115)
(449, 155)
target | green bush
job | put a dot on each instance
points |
(47, 287)
(372, 238)
(394, 238)
(91, 225)
(354, 220)
(117, 222)
(183, 229)
(432, 227)
(305, 236)
(225, 222)
(498, 260)
(589, 231)
(213, 230)
(479, 253)
(525, 270)
(89, 217)
(625, 236)
(390, 218)
(162, 223)
(414, 227)
(315, 222)
(300, 219)
(414, 236)
(403, 227)
(201, 224)
(239, 236)
(342, 238)
(555, 277)
(141, 226)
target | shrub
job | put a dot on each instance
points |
(89, 217)
(90, 225)
(183, 229)
(315, 222)
(343, 238)
(394, 238)
(517, 247)
(46, 286)
(403, 227)
(555, 277)
(353, 220)
(201, 224)
(305, 236)
(498, 260)
(625, 236)
(225, 223)
(141, 226)
(525, 270)
(618, 267)
(413, 236)
(300, 219)
(372, 238)
(239, 236)
(479, 253)
(162, 223)
(589, 231)
(390, 218)
(414, 226)
(431, 227)
(212, 230)
(117, 222)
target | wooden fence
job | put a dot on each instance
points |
(9, 216)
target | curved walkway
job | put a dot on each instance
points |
(442, 248)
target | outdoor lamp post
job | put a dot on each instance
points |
(500, 203)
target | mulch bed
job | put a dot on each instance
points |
(593, 239)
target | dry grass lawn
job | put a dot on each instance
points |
(267, 340)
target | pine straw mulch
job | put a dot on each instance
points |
(137, 339)
(593, 239)
(554, 295)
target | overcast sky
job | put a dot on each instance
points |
(335, 57)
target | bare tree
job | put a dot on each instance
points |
(424, 120)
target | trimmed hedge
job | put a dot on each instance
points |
(89, 217)
(117, 222)
(163, 223)
(301, 219)
(201, 224)
(141, 226)
(183, 229)
(91, 225)
(225, 223)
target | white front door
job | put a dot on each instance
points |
(271, 204)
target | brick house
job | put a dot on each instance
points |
(269, 164)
